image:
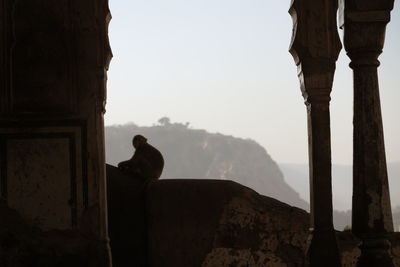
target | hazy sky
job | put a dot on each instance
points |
(223, 66)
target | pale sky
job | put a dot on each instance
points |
(224, 66)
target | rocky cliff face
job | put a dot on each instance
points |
(198, 154)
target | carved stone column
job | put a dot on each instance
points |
(53, 61)
(315, 47)
(364, 24)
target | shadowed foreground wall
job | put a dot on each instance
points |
(126, 219)
(221, 223)
(22, 245)
(177, 223)
(208, 223)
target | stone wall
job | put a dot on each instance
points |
(222, 223)
(53, 62)
(177, 223)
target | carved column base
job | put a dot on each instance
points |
(322, 249)
(375, 252)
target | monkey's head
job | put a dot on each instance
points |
(138, 140)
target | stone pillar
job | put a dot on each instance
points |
(315, 47)
(53, 61)
(364, 24)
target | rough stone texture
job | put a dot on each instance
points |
(348, 246)
(221, 223)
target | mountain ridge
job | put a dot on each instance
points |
(195, 153)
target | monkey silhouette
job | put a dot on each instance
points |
(146, 163)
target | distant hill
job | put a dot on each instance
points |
(191, 153)
(296, 175)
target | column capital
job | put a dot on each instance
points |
(314, 37)
(364, 24)
(316, 79)
(315, 47)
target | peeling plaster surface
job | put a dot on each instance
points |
(249, 235)
(349, 258)
(244, 257)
